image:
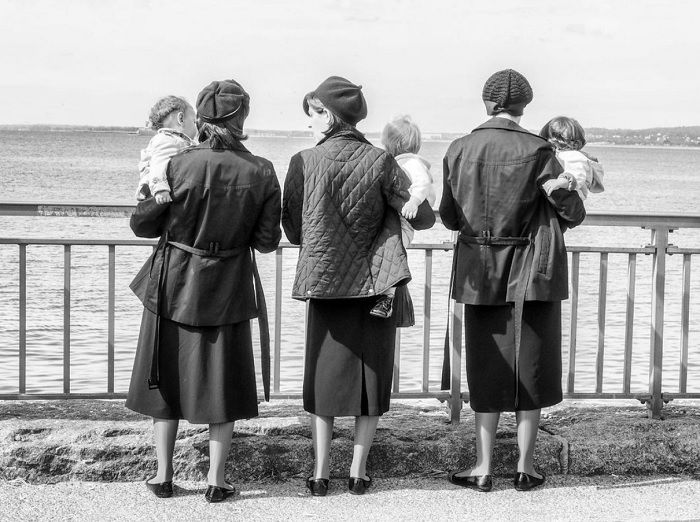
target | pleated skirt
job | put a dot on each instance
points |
(207, 374)
(490, 357)
(349, 359)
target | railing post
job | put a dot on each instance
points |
(22, 318)
(455, 399)
(278, 322)
(659, 240)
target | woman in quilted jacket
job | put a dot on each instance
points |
(341, 203)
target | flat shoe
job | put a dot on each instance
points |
(525, 482)
(161, 489)
(481, 483)
(318, 487)
(218, 493)
(358, 486)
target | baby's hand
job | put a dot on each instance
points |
(162, 197)
(410, 209)
(570, 181)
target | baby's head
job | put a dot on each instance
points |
(564, 133)
(173, 112)
(401, 135)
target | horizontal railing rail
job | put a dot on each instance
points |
(659, 248)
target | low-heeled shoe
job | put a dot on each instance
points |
(481, 483)
(161, 489)
(525, 482)
(318, 487)
(358, 486)
(218, 493)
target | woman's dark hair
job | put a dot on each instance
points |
(336, 122)
(225, 134)
(564, 133)
(163, 108)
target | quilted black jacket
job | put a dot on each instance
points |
(341, 202)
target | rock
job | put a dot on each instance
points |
(92, 440)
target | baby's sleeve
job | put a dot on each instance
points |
(421, 181)
(578, 166)
(163, 147)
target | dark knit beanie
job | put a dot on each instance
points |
(341, 97)
(220, 101)
(506, 91)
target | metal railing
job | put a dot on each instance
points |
(659, 248)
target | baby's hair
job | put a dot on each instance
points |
(564, 133)
(401, 135)
(163, 107)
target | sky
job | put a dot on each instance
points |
(614, 64)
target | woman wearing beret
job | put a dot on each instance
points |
(510, 271)
(200, 288)
(341, 203)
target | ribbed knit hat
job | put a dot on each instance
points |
(221, 100)
(506, 91)
(341, 97)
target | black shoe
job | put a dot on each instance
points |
(478, 482)
(383, 307)
(318, 487)
(358, 486)
(162, 489)
(218, 494)
(525, 482)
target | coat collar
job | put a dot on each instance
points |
(351, 133)
(237, 145)
(503, 124)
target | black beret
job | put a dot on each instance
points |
(506, 91)
(222, 100)
(341, 97)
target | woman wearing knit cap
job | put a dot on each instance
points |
(200, 288)
(341, 204)
(510, 271)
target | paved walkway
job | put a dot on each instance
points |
(563, 498)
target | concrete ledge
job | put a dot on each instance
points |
(52, 441)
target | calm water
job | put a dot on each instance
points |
(101, 167)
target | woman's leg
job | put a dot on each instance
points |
(219, 446)
(365, 428)
(164, 433)
(528, 423)
(321, 433)
(486, 425)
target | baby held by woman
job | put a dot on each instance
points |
(401, 138)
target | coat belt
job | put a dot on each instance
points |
(486, 239)
(263, 323)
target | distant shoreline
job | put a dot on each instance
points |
(434, 137)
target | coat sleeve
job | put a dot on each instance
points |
(448, 205)
(293, 200)
(567, 204)
(148, 219)
(395, 183)
(267, 233)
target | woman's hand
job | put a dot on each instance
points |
(410, 209)
(163, 197)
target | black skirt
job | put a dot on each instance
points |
(207, 374)
(349, 360)
(490, 357)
